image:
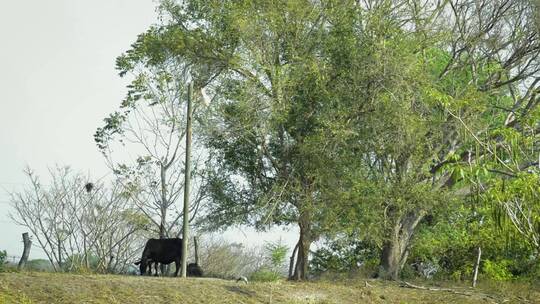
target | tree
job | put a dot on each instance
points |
(443, 84)
(150, 124)
(267, 115)
(254, 57)
(354, 114)
(71, 225)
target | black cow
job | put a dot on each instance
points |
(194, 270)
(149, 266)
(164, 251)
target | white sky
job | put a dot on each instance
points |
(57, 83)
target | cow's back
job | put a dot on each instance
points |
(163, 250)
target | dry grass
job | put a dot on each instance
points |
(70, 288)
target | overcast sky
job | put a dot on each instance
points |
(57, 83)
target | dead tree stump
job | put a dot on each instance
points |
(26, 251)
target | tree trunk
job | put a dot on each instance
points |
(396, 246)
(390, 260)
(26, 251)
(163, 217)
(196, 247)
(60, 261)
(86, 252)
(291, 263)
(162, 225)
(302, 263)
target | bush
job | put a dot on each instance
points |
(264, 275)
(3, 257)
(39, 265)
(497, 271)
(451, 240)
(344, 255)
(223, 259)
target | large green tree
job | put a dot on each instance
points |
(443, 92)
(272, 94)
(355, 114)
(262, 61)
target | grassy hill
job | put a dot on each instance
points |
(70, 288)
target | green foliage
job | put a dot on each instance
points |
(450, 241)
(277, 253)
(516, 207)
(345, 255)
(348, 119)
(497, 271)
(265, 275)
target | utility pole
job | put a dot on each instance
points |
(187, 180)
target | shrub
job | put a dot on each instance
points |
(3, 257)
(277, 253)
(345, 255)
(275, 256)
(39, 265)
(497, 271)
(222, 259)
(265, 275)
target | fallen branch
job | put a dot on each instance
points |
(409, 285)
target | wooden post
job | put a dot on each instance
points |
(187, 180)
(26, 251)
(476, 266)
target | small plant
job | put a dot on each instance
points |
(272, 270)
(264, 275)
(276, 253)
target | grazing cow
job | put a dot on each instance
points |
(149, 266)
(164, 251)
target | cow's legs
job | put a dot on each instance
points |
(177, 263)
(156, 268)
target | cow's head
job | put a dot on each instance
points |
(142, 266)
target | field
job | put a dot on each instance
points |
(69, 288)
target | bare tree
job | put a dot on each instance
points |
(151, 128)
(75, 227)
